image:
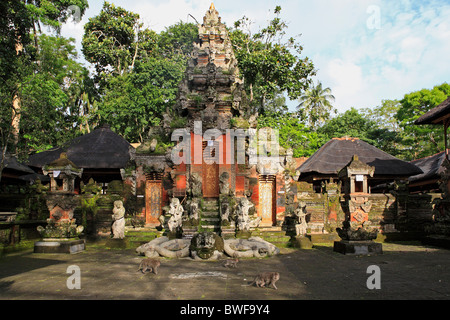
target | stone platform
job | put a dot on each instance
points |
(59, 246)
(358, 247)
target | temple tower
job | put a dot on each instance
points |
(211, 89)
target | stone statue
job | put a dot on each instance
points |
(225, 211)
(196, 185)
(194, 208)
(176, 215)
(118, 227)
(206, 245)
(243, 221)
(224, 184)
(352, 231)
(300, 214)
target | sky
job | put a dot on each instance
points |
(365, 51)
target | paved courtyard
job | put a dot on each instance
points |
(407, 271)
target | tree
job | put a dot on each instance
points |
(178, 39)
(50, 95)
(138, 70)
(109, 40)
(292, 133)
(350, 123)
(423, 140)
(269, 63)
(315, 105)
(136, 101)
(20, 24)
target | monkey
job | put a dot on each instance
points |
(149, 265)
(266, 279)
(231, 263)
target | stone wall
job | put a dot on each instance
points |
(392, 213)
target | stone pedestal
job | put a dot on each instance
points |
(358, 247)
(303, 242)
(59, 246)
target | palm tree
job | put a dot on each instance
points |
(315, 105)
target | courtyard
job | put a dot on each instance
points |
(408, 271)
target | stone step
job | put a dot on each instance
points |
(210, 228)
(210, 212)
(210, 207)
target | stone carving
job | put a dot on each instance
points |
(352, 231)
(206, 246)
(195, 182)
(194, 209)
(118, 226)
(225, 212)
(224, 184)
(164, 247)
(176, 215)
(248, 248)
(211, 90)
(60, 229)
(300, 219)
(243, 220)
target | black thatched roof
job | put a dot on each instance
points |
(431, 167)
(432, 116)
(102, 148)
(338, 152)
(12, 164)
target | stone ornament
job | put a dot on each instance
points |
(249, 248)
(118, 216)
(243, 221)
(176, 215)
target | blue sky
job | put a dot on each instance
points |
(364, 50)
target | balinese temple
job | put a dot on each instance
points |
(211, 160)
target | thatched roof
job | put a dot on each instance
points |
(12, 164)
(431, 167)
(102, 148)
(435, 115)
(338, 152)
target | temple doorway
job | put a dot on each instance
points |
(266, 200)
(153, 198)
(210, 170)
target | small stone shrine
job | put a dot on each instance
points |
(61, 233)
(357, 237)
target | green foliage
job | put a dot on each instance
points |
(49, 96)
(268, 62)
(178, 39)
(53, 13)
(293, 133)
(33, 68)
(109, 39)
(315, 105)
(135, 102)
(421, 140)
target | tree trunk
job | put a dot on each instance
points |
(15, 117)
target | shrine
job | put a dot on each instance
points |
(213, 168)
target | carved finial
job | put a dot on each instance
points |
(211, 8)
